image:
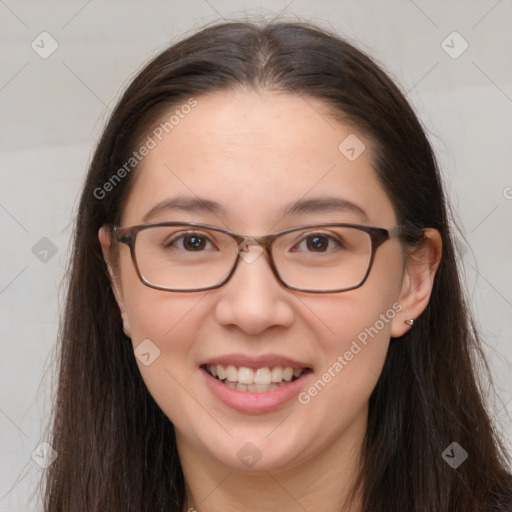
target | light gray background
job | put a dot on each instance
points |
(53, 109)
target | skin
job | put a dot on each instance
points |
(254, 152)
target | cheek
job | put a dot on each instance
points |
(353, 355)
(163, 327)
(353, 330)
(157, 315)
(164, 316)
(355, 317)
(354, 335)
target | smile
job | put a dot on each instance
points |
(257, 380)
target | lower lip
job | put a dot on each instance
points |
(252, 402)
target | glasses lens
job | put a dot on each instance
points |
(184, 257)
(323, 258)
(317, 258)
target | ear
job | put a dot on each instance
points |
(418, 281)
(105, 239)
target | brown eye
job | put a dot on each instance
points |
(317, 243)
(190, 242)
(194, 242)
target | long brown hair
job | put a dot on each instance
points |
(116, 449)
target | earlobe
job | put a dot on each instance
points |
(418, 282)
(105, 242)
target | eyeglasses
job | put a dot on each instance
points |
(189, 256)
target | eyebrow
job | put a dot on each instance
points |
(324, 205)
(187, 204)
(302, 206)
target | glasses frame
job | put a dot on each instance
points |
(378, 235)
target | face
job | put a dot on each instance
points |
(255, 153)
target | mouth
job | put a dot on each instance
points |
(254, 380)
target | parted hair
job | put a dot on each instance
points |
(116, 448)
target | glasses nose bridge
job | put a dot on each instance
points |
(264, 242)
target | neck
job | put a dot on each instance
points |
(321, 483)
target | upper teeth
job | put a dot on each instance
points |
(249, 376)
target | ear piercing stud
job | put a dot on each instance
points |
(410, 322)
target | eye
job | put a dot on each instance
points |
(317, 242)
(190, 241)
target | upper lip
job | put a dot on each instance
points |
(242, 360)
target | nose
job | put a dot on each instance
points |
(253, 299)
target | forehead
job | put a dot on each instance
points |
(255, 153)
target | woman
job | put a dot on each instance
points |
(264, 310)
